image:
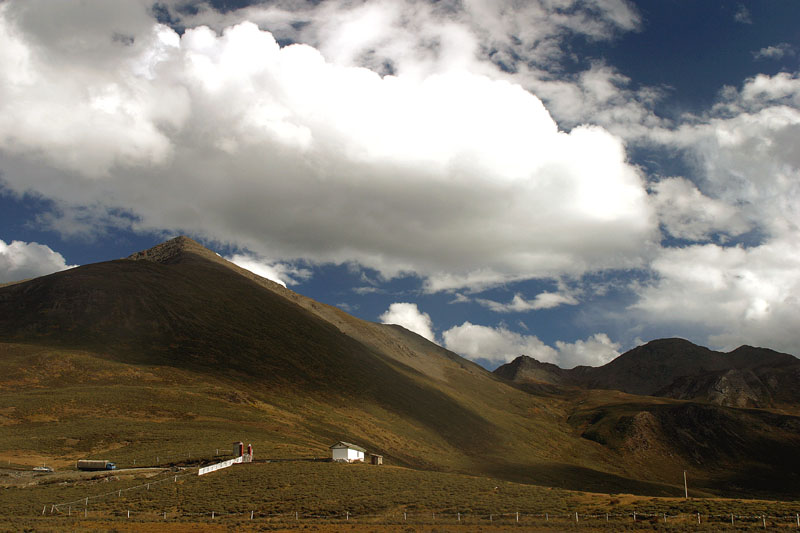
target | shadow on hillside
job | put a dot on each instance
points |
(759, 483)
(573, 477)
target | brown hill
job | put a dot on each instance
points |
(306, 374)
(175, 348)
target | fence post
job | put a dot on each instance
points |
(69, 511)
(459, 516)
(212, 515)
(347, 515)
(665, 518)
(764, 521)
(606, 517)
(698, 518)
(634, 516)
(732, 519)
(576, 517)
(44, 509)
(85, 512)
(517, 516)
(546, 517)
(165, 515)
(251, 515)
(404, 516)
(129, 513)
(797, 516)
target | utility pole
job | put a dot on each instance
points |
(685, 486)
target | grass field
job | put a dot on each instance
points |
(333, 497)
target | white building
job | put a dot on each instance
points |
(346, 452)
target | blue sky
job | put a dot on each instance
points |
(563, 179)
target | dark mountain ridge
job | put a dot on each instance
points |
(677, 368)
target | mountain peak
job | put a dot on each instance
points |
(526, 368)
(170, 251)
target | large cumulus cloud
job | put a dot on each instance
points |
(454, 176)
(411, 137)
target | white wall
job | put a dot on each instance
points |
(354, 455)
(346, 454)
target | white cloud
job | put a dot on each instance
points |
(740, 295)
(108, 109)
(501, 345)
(280, 273)
(498, 345)
(22, 260)
(762, 91)
(518, 304)
(742, 15)
(599, 95)
(745, 159)
(745, 153)
(778, 51)
(461, 179)
(367, 289)
(459, 298)
(597, 350)
(423, 37)
(410, 317)
(687, 214)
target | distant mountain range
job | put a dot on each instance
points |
(174, 348)
(676, 368)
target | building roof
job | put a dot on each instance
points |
(342, 444)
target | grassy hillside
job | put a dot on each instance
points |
(336, 497)
(170, 355)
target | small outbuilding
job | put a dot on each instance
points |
(375, 459)
(347, 452)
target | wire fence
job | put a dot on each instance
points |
(110, 505)
(172, 478)
(432, 517)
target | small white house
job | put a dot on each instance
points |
(346, 452)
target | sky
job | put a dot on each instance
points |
(564, 179)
